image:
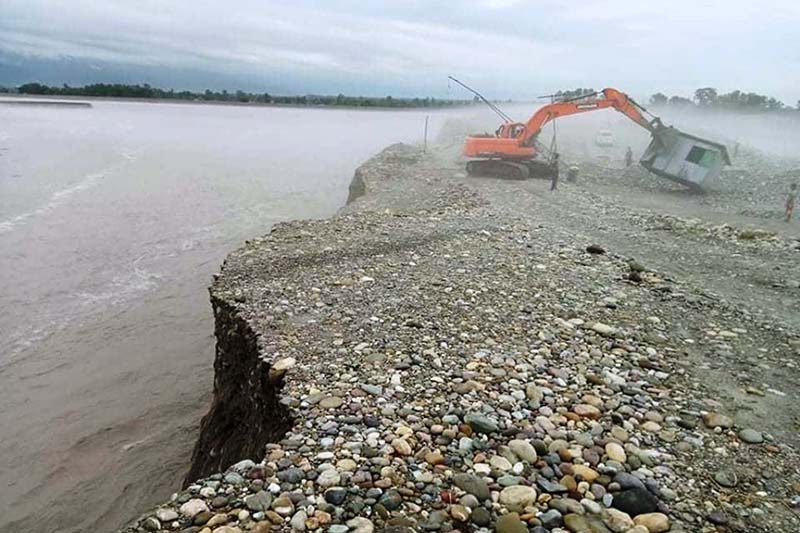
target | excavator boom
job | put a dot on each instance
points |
(515, 140)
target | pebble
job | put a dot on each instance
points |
(717, 420)
(510, 523)
(654, 522)
(615, 452)
(517, 497)
(618, 521)
(193, 507)
(480, 423)
(751, 436)
(473, 485)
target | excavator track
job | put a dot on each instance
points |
(510, 170)
(498, 168)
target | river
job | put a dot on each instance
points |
(112, 221)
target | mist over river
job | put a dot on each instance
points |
(112, 221)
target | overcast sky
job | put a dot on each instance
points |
(508, 48)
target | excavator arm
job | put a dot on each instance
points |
(515, 140)
(611, 98)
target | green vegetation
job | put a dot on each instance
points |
(118, 90)
(709, 98)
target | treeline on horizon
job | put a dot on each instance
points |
(705, 98)
(119, 90)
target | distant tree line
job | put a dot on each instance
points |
(710, 98)
(118, 90)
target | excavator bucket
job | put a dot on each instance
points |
(686, 159)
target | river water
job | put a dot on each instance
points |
(112, 221)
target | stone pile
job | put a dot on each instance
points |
(452, 366)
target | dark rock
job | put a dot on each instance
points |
(391, 500)
(335, 495)
(551, 486)
(480, 517)
(717, 517)
(595, 249)
(635, 501)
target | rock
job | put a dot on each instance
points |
(402, 447)
(534, 395)
(328, 478)
(510, 523)
(500, 463)
(595, 249)
(524, 450)
(434, 458)
(280, 367)
(219, 519)
(585, 472)
(335, 495)
(331, 402)
(151, 524)
(361, 525)
(726, 478)
(587, 411)
(234, 478)
(480, 517)
(227, 529)
(615, 452)
(391, 500)
(567, 506)
(298, 521)
(166, 515)
(259, 501)
(604, 329)
(459, 513)
(283, 506)
(577, 523)
(716, 420)
(635, 501)
(517, 497)
(472, 484)
(292, 475)
(654, 522)
(480, 423)
(751, 436)
(193, 507)
(551, 519)
(618, 521)
(717, 517)
(551, 486)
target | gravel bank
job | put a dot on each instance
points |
(458, 354)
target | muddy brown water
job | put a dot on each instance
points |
(112, 221)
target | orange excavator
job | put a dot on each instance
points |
(511, 152)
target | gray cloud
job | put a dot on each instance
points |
(510, 48)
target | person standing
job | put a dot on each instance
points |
(554, 179)
(791, 198)
(628, 157)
